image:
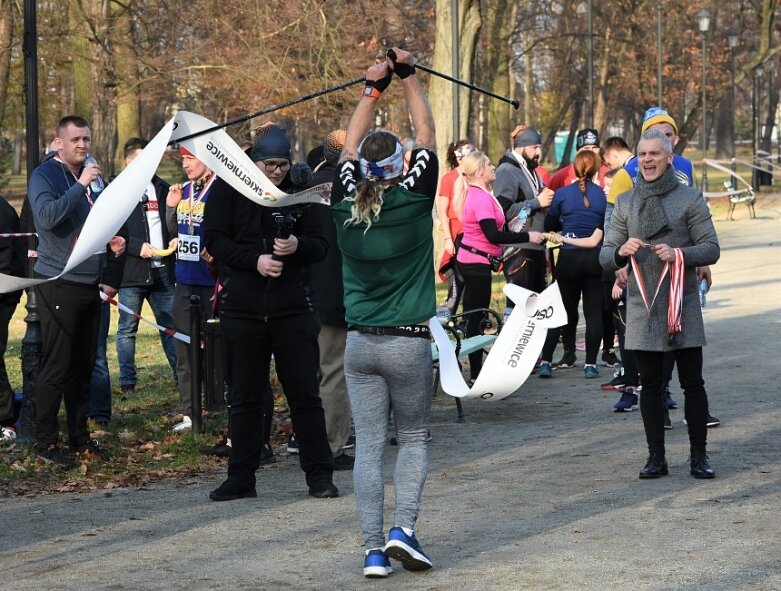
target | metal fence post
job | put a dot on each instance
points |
(195, 362)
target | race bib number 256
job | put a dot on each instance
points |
(189, 248)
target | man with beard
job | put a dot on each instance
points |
(522, 194)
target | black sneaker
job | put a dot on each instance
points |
(220, 450)
(267, 456)
(609, 359)
(93, 447)
(668, 424)
(292, 444)
(567, 361)
(126, 389)
(324, 490)
(53, 454)
(344, 462)
(350, 442)
(232, 489)
(711, 421)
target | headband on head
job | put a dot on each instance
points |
(462, 151)
(387, 168)
(529, 136)
(185, 152)
(656, 115)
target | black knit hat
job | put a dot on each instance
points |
(587, 137)
(271, 141)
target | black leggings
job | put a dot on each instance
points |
(477, 294)
(578, 271)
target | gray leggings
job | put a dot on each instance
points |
(385, 372)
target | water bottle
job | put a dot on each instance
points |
(703, 290)
(519, 222)
(97, 185)
(443, 315)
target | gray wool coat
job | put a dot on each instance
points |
(692, 230)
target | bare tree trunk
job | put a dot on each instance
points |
(499, 27)
(128, 105)
(603, 84)
(770, 119)
(82, 67)
(6, 44)
(723, 128)
(441, 92)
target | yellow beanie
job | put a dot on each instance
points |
(656, 115)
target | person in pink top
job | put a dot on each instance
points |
(481, 246)
(450, 222)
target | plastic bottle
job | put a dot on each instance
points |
(96, 185)
(703, 290)
(519, 222)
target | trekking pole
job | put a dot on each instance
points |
(273, 108)
(514, 102)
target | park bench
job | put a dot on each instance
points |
(455, 326)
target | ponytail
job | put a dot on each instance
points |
(586, 165)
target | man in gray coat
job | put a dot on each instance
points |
(665, 230)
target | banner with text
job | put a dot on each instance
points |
(515, 351)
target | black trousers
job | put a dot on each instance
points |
(7, 309)
(651, 366)
(477, 294)
(249, 344)
(578, 272)
(70, 317)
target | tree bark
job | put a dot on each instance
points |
(128, 105)
(441, 91)
(499, 27)
(6, 44)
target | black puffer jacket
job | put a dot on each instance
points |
(237, 232)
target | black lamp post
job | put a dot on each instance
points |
(31, 343)
(733, 38)
(703, 22)
(659, 17)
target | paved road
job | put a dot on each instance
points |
(538, 491)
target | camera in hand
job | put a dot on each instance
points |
(285, 222)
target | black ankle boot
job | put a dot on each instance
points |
(655, 467)
(699, 464)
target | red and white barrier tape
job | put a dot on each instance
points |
(169, 331)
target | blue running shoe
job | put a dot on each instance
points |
(627, 402)
(590, 371)
(544, 370)
(376, 565)
(406, 549)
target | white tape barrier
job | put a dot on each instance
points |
(515, 352)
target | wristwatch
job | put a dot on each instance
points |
(371, 92)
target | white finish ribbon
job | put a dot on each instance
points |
(515, 351)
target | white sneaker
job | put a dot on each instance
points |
(7, 435)
(185, 425)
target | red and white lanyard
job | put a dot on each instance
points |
(675, 302)
(88, 194)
